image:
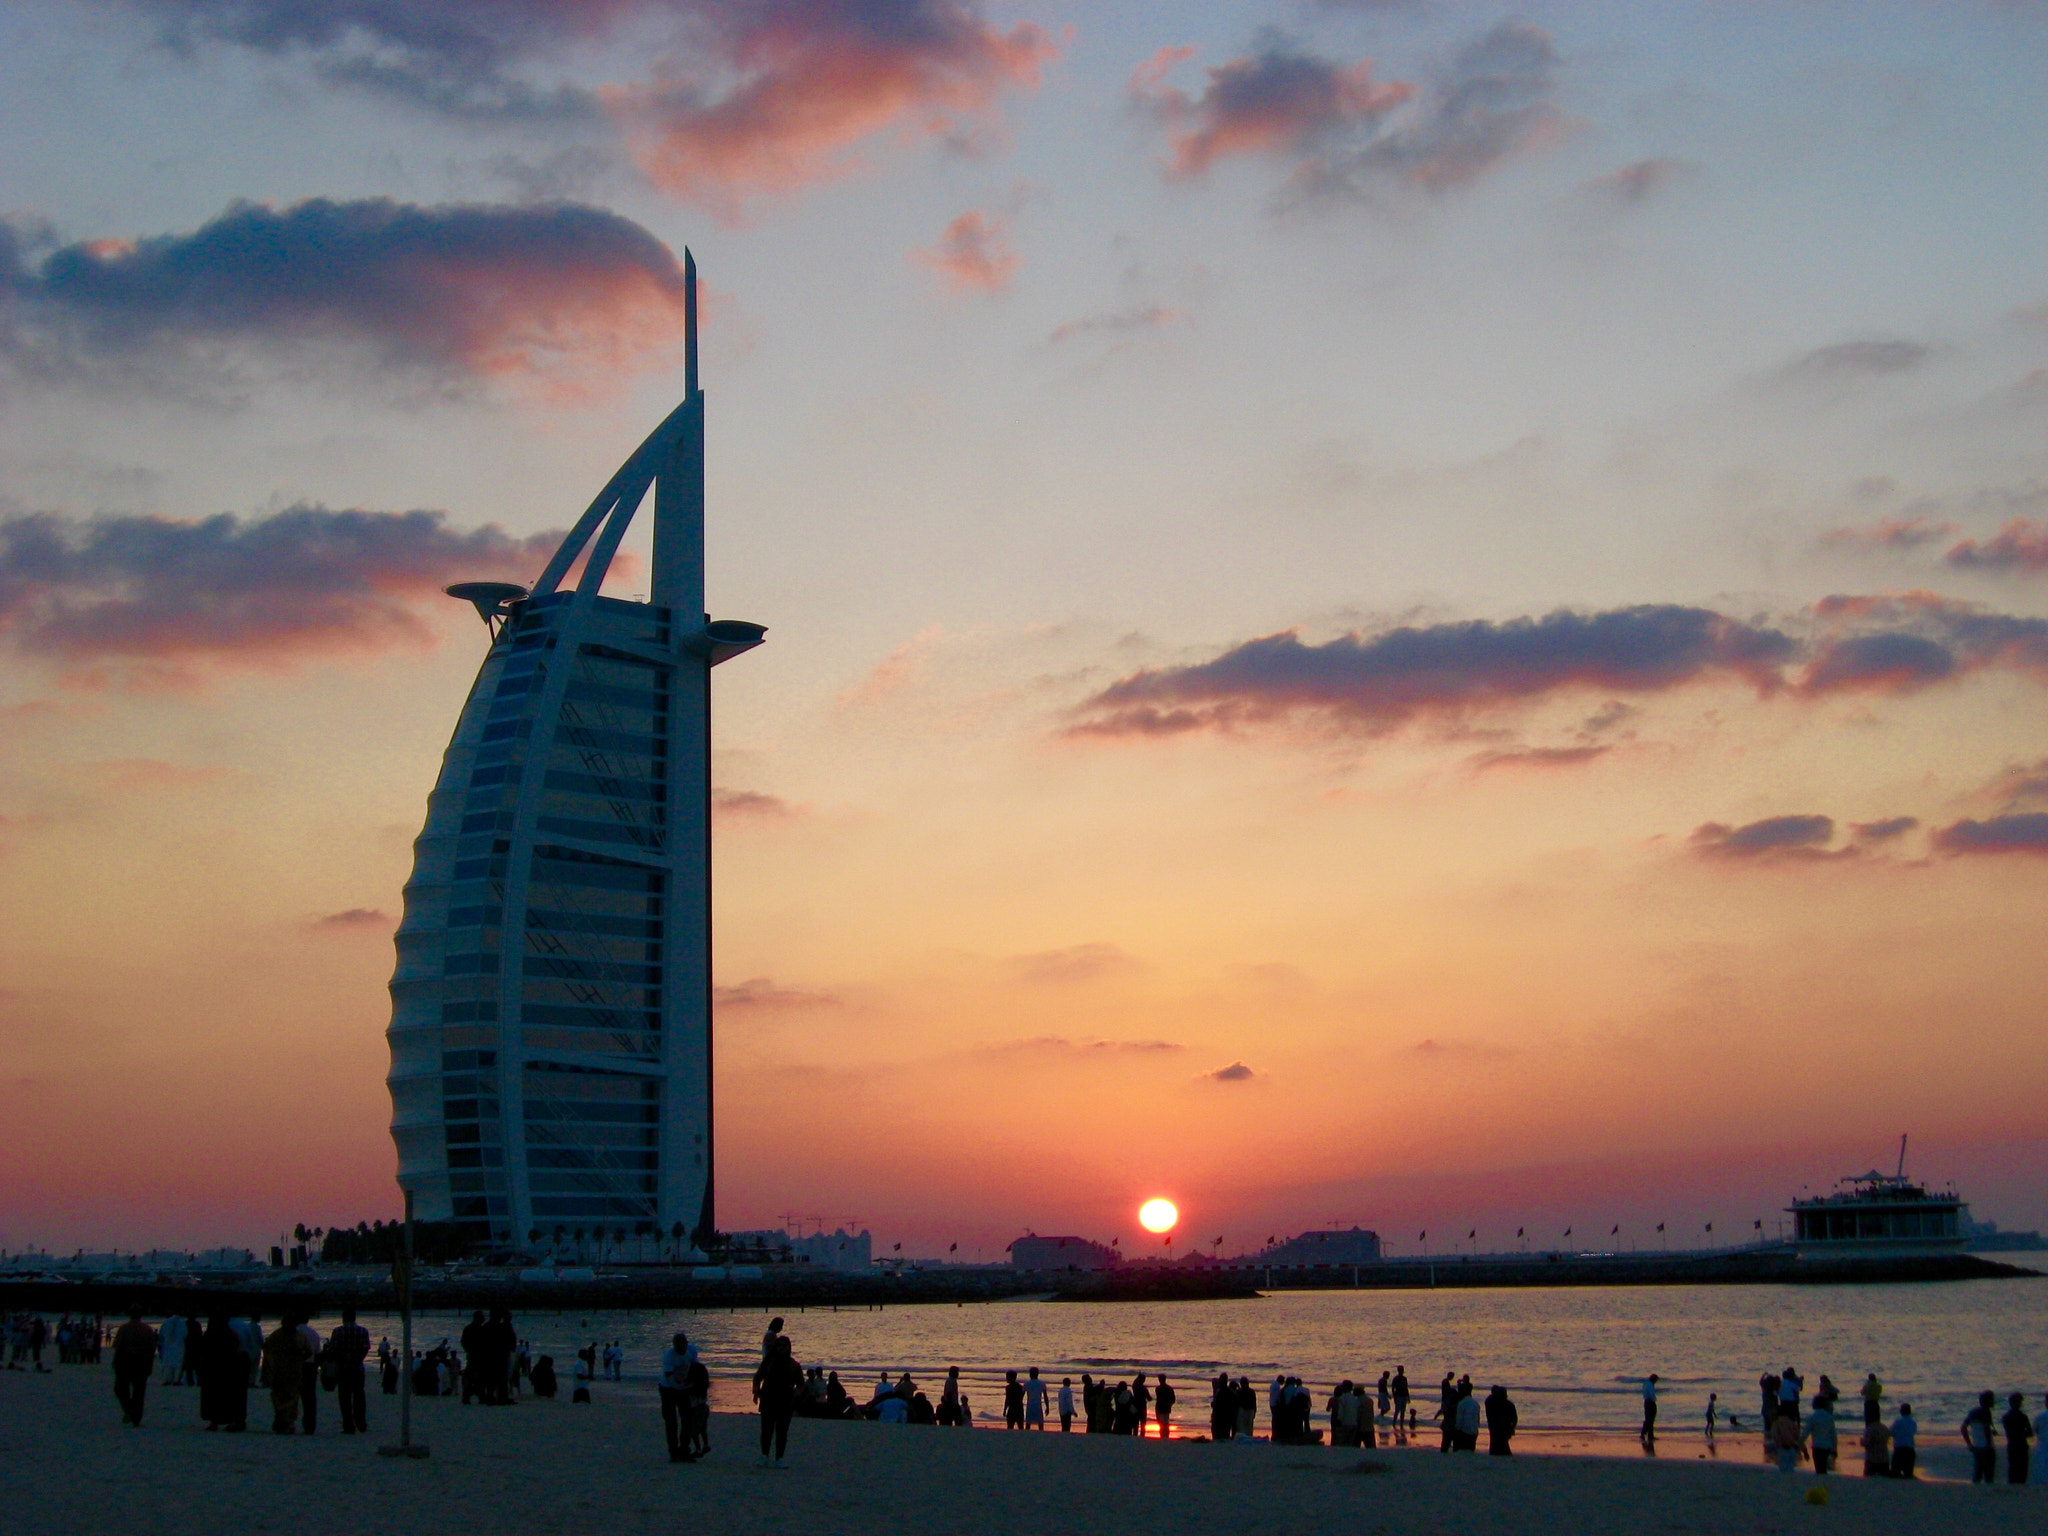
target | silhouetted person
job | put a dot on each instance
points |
(675, 1387)
(134, 1359)
(1501, 1418)
(309, 1377)
(223, 1377)
(349, 1348)
(776, 1383)
(1013, 1401)
(1162, 1407)
(2019, 1436)
(284, 1356)
(1981, 1438)
(1648, 1432)
(544, 1382)
(1905, 1442)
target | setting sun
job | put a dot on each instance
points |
(1158, 1215)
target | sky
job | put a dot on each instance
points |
(1380, 611)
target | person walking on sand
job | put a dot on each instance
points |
(1713, 1404)
(1502, 1417)
(1066, 1405)
(223, 1377)
(1981, 1438)
(1034, 1402)
(2019, 1438)
(284, 1360)
(349, 1346)
(1648, 1433)
(1905, 1442)
(134, 1358)
(776, 1384)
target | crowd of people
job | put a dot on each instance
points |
(294, 1365)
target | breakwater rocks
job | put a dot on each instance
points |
(326, 1289)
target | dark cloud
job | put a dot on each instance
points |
(1913, 640)
(1775, 837)
(1893, 661)
(1277, 101)
(1236, 1072)
(1889, 830)
(255, 590)
(1489, 103)
(1130, 321)
(561, 293)
(355, 919)
(1848, 360)
(1078, 963)
(1380, 681)
(760, 992)
(2020, 547)
(2020, 832)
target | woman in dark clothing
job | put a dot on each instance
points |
(223, 1377)
(1501, 1419)
(776, 1384)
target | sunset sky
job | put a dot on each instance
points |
(1380, 611)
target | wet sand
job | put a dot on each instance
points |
(68, 1465)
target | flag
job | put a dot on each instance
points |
(952, 1248)
(1116, 1242)
(1660, 1226)
(1617, 1230)
(1519, 1232)
(1567, 1231)
(1710, 1226)
(1473, 1233)
(1758, 1224)
(899, 1247)
(1422, 1237)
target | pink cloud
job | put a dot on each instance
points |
(973, 254)
(781, 93)
(2020, 547)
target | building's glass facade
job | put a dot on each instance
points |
(551, 1021)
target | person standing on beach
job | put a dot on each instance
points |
(1713, 1405)
(1447, 1410)
(1786, 1439)
(349, 1347)
(768, 1339)
(1981, 1438)
(1013, 1401)
(1648, 1433)
(1066, 1405)
(1401, 1403)
(1034, 1402)
(2019, 1436)
(1502, 1418)
(674, 1387)
(1877, 1450)
(1873, 1399)
(1820, 1435)
(776, 1384)
(284, 1359)
(1767, 1389)
(134, 1357)
(309, 1377)
(1905, 1442)
(1247, 1408)
(1467, 1437)
(223, 1377)
(1162, 1408)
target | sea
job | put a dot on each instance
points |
(1574, 1358)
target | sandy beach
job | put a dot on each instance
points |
(67, 1465)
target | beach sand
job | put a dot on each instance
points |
(68, 1465)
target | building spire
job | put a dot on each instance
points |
(689, 324)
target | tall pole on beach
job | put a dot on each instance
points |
(401, 1275)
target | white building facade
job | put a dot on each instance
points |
(550, 1035)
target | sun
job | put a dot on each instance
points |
(1158, 1215)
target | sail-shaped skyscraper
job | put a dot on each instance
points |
(551, 1007)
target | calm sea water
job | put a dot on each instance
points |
(1573, 1358)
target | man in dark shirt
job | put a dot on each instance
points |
(2019, 1436)
(1981, 1438)
(349, 1347)
(134, 1357)
(1501, 1418)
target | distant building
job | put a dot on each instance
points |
(1032, 1252)
(1357, 1246)
(848, 1252)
